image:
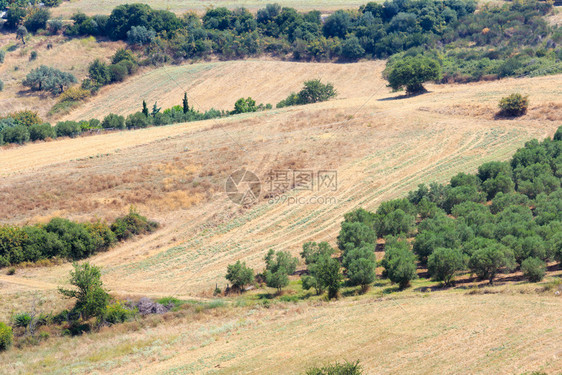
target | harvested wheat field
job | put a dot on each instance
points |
(381, 145)
(205, 85)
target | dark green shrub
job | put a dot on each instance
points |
(33, 56)
(98, 72)
(78, 242)
(6, 336)
(18, 134)
(346, 368)
(40, 244)
(68, 129)
(514, 105)
(37, 19)
(118, 72)
(22, 320)
(113, 121)
(101, 234)
(42, 132)
(138, 120)
(533, 269)
(132, 224)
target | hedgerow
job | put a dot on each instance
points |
(62, 238)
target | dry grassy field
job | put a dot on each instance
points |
(205, 85)
(181, 6)
(381, 146)
(17, 65)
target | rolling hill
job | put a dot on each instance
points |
(381, 145)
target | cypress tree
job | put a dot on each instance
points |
(185, 103)
(155, 109)
(144, 108)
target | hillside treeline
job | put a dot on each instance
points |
(62, 238)
(495, 41)
(507, 216)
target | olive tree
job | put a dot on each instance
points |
(412, 72)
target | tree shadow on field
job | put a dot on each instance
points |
(391, 289)
(403, 96)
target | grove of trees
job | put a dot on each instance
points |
(506, 217)
(66, 239)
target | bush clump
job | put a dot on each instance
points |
(347, 368)
(42, 132)
(132, 224)
(514, 105)
(118, 312)
(533, 269)
(6, 336)
(113, 121)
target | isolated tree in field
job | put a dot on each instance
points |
(514, 105)
(185, 103)
(49, 79)
(488, 261)
(21, 33)
(239, 275)
(412, 72)
(91, 297)
(443, 263)
(315, 91)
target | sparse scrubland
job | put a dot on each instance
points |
(438, 250)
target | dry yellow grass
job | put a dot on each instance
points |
(439, 332)
(219, 84)
(381, 146)
(71, 56)
(92, 7)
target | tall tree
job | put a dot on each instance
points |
(185, 103)
(144, 108)
(91, 297)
